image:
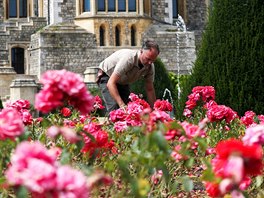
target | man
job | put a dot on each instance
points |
(124, 67)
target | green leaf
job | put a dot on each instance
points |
(65, 157)
(2, 180)
(160, 141)
(202, 143)
(128, 138)
(22, 192)
(24, 136)
(187, 184)
(109, 166)
(189, 163)
(165, 172)
(42, 137)
(79, 144)
(45, 123)
(208, 175)
(123, 166)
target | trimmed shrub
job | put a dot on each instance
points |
(231, 56)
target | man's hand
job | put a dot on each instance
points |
(124, 108)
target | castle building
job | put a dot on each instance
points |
(39, 35)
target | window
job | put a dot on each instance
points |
(117, 36)
(111, 5)
(101, 5)
(23, 8)
(121, 5)
(133, 36)
(102, 36)
(175, 8)
(17, 8)
(132, 5)
(12, 8)
(86, 6)
(17, 58)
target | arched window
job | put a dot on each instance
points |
(17, 58)
(121, 5)
(101, 5)
(111, 5)
(117, 36)
(86, 6)
(102, 36)
(17, 8)
(132, 5)
(175, 9)
(133, 35)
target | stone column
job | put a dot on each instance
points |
(93, 7)
(90, 75)
(7, 74)
(141, 7)
(23, 87)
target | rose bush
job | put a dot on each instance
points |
(138, 152)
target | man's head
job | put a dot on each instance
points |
(149, 52)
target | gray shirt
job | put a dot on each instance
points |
(124, 63)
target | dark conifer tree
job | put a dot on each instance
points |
(231, 56)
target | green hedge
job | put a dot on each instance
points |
(231, 56)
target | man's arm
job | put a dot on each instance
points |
(150, 92)
(112, 87)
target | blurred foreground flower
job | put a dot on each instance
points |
(22, 106)
(11, 124)
(233, 164)
(60, 86)
(254, 135)
(36, 168)
(69, 134)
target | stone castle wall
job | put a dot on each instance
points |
(64, 46)
(68, 10)
(194, 12)
(197, 12)
(177, 48)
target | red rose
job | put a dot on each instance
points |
(66, 112)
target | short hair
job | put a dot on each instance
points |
(149, 44)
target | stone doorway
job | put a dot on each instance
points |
(17, 55)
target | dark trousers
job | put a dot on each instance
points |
(110, 103)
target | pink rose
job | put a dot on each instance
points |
(60, 86)
(11, 124)
(71, 183)
(26, 163)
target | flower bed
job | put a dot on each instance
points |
(137, 152)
